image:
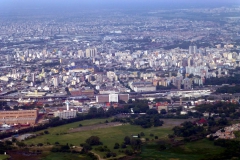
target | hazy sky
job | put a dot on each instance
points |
(20, 6)
(9, 3)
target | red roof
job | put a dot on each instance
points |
(202, 121)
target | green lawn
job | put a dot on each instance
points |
(3, 157)
(237, 134)
(189, 151)
(109, 136)
(65, 128)
(65, 156)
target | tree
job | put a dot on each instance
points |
(127, 140)
(152, 111)
(85, 147)
(65, 147)
(130, 101)
(9, 143)
(93, 140)
(163, 111)
(93, 111)
(157, 122)
(116, 146)
(121, 102)
(39, 144)
(15, 108)
(136, 143)
(100, 111)
(111, 111)
(20, 144)
(67, 91)
(14, 139)
(123, 146)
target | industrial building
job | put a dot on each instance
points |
(20, 116)
(112, 98)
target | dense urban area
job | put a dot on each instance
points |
(165, 80)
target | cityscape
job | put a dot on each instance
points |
(172, 73)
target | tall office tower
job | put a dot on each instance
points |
(190, 50)
(88, 52)
(33, 77)
(195, 50)
(91, 52)
(55, 82)
(94, 52)
(184, 62)
(190, 61)
(187, 83)
(80, 53)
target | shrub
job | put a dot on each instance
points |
(116, 146)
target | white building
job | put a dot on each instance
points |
(65, 114)
(113, 97)
(55, 81)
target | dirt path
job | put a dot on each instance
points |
(99, 158)
(175, 122)
(96, 126)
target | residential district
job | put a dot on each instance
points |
(56, 68)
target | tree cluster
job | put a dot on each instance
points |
(187, 129)
(228, 89)
(223, 80)
(148, 121)
(223, 109)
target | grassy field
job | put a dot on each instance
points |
(109, 136)
(64, 156)
(237, 134)
(65, 128)
(193, 150)
(3, 157)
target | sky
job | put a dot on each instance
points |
(20, 6)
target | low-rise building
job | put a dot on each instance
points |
(65, 114)
(20, 116)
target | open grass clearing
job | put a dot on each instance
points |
(192, 150)
(109, 136)
(4, 157)
(65, 156)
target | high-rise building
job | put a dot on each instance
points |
(195, 50)
(187, 83)
(33, 77)
(190, 61)
(81, 53)
(190, 50)
(91, 52)
(55, 82)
